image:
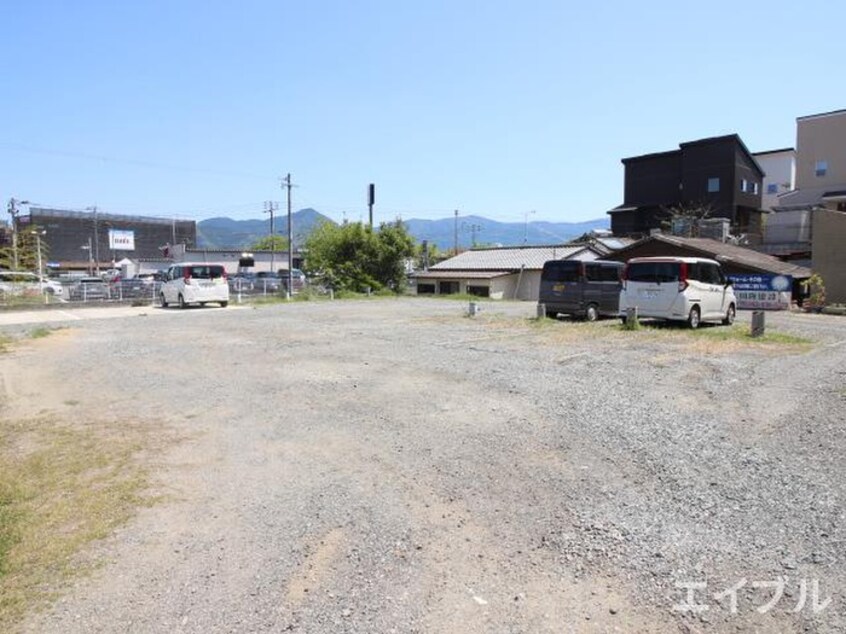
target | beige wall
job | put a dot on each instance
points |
(502, 287)
(829, 256)
(821, 138)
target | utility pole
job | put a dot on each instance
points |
(473, 228)
(286, 183)
(371, 200)
(269, 207)
(96, 253)
(456, 233)
(13, 212)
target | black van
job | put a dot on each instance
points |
(584, 289)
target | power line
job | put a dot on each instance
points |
(126, 161)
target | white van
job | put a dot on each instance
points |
(194, 283)
(680, 289)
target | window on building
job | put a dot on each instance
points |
(713, 185)
(479, 291)
(743, 185)
(755, 188)
(821, 168)
(447, 288)
(772, 188)
(425, 289)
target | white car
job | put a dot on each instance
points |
(194, 283)
(692, 290)
(24, 282)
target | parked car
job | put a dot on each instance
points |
(585, 289)
(268, 282)
(126, 288)
(242, 282)
(297, 277)
(194, 283)
(679, 289)
(87, 289)
(26, 283)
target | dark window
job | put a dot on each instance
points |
(425, 289)
(557, 271)
(479, 291)
(206, 272)
(821, 168)
(593, 272)
(713, 185)
(610, 274)
(447, 288)
(653, 272)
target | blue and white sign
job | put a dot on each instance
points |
(762, 291)
(121, 240)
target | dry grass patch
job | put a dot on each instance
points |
(60, 489)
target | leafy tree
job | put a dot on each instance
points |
(270, 243)
(353, 257)
(27, 250)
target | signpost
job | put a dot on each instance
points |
(762, 291)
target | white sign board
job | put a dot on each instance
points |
(120, 240)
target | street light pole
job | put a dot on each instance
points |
(38, 235)
(526, 232)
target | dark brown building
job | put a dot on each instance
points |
(717, 173)
(735, 260)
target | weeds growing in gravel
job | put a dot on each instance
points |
(41, 332)
(60, 488)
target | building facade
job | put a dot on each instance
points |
(86, 239)
(779, 175)
(498, 273)
(717, 174)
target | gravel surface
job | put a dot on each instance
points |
(395, 466)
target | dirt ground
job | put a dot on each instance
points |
(395, 466)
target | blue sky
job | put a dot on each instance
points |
(493, 108)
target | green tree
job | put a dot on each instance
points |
(270, 243)
(354, 257)
(27, 250)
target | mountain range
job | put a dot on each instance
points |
(223, 233)
(228, 233)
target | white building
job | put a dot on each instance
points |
(780, 174)
(498, 273)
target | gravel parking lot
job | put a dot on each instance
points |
(395, 466)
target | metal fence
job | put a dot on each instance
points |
(128, 292)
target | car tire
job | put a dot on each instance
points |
(591, 313)
(694, 318)
(552, 314)
(162, 300)
(731, 313)
(182, 303)
(224, 304)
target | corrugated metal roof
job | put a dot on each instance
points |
(460, 275)
(510, 258)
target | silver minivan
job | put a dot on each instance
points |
(692, 290)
